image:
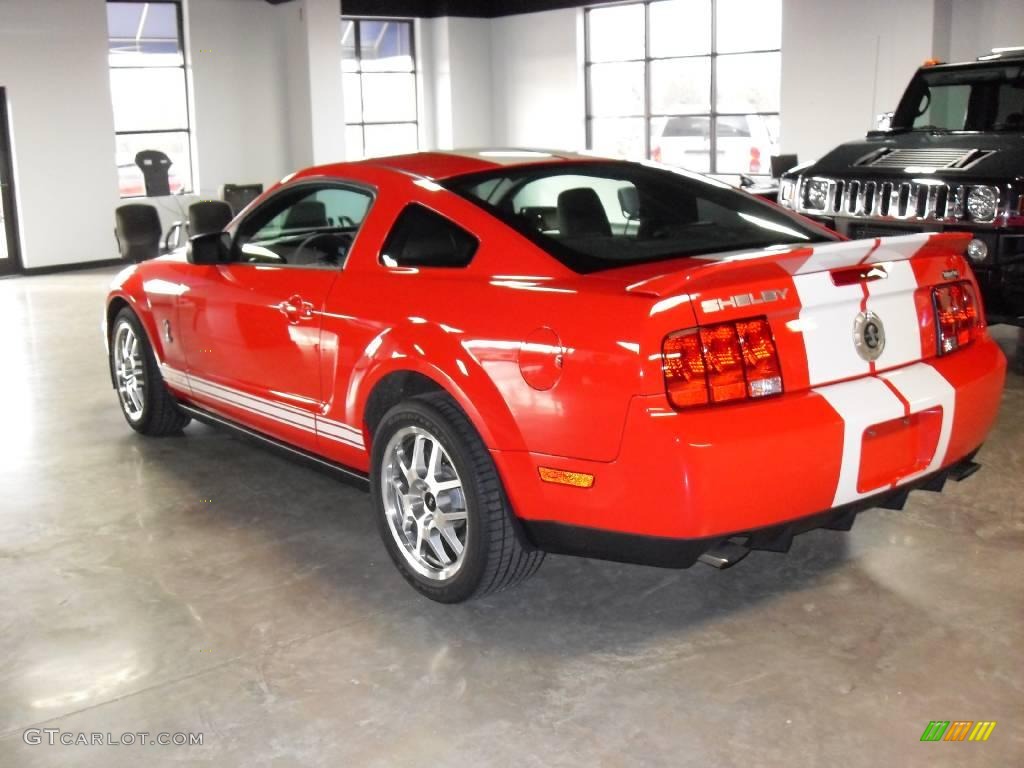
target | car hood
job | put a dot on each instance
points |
(1005, 158)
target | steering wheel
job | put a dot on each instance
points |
(345, 221)
(309, 239)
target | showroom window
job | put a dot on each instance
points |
(150, 93)
(379, 82)
(693, 83)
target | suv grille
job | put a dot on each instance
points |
(903, 201)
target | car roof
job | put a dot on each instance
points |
(445, 164)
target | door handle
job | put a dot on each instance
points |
(295, 308)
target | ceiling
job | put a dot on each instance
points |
(484, 9)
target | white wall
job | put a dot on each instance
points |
(455, 58)
(843, 63)
(978, 26)
(537, 80)
(242, 120)
(54, 66)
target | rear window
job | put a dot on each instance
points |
(595, 215)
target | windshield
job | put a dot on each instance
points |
(595, 215)
(979, 99)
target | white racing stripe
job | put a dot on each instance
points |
(827, 315)
(924, 388)
(868, 401)
(282, 413)
(892, 299)
(860, 404)
(828, 312)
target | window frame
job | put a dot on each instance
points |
(647, 116)
(299, 189)
(184, 66)
(414, 72)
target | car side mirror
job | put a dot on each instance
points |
(629, 201)
(209, 248)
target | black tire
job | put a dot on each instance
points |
(497, 555)
(160, 415)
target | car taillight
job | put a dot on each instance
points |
(721, 363)
(956, 315)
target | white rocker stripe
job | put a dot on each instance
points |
(333, 431)
(254, 405)
(174, 378)
(282, 413)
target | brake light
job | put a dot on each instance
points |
(721, 363)
(956, 316)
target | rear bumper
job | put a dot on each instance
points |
(716, 472)
(682, 553)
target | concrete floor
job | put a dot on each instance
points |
(200, 584)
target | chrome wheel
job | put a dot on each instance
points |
(424, 503)
(129, 371)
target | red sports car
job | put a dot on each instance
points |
(527, 352)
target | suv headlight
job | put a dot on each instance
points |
(981, 203)
(816, 194)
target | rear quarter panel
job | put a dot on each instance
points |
(465, 328)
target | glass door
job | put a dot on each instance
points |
(10, 261)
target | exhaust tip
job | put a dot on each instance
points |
(726, 554)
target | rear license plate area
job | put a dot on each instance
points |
(892, 450)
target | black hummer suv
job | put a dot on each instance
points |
(952, 158)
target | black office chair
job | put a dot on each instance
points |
(156, 168)
(782, 163)
(137, 230)
(580, 213)
(240, 195)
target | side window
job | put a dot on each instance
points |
(305, 227)
(422, 238)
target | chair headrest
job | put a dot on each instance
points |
(309, 214)
(580, 212)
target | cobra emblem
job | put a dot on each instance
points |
(869, 336)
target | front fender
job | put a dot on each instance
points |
(432, 351)
(127, 288)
